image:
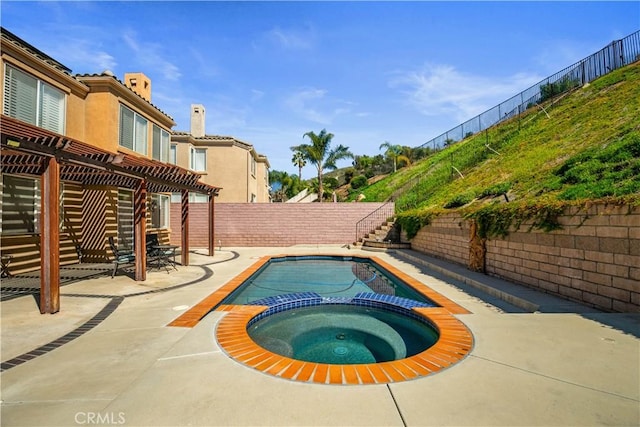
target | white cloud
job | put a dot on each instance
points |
(292, 39)
(304, 103)
(203, 64)
(256, 95)
(150, 57)
(92, 58)
(314, 105)
(442, 90)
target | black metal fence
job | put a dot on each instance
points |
(613, 56)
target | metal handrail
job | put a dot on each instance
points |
(372, 221)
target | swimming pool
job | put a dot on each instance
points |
(328, 276)
(419, 302)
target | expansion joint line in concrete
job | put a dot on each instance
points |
(94, 321)
(395, 402)
(554, 378)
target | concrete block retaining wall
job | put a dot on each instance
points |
(272, 224)
(447, 238)
(593, 259)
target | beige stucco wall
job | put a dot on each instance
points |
(262, 182)
(229, 167)
(103, 120)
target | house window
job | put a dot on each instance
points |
(198, 198)
(133, 130)
(125, 220)
(198, 159)
(160, 144)
(159, 211)
(253, 166)
(193, 198)
(33, 101)
(173, 154)
(20, 205)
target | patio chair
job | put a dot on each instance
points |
(152, 252)
(120, 257)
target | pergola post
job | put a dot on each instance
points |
(140, 230)
(50, 237)
(184, 221)
(212, 237)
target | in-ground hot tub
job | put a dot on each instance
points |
(343, 334)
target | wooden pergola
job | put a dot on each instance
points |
(30, 150)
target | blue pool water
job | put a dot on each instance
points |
(326, 276)
(343, 334)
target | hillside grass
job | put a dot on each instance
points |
(580, 147)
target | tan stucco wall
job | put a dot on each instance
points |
(103, 118)
(229, 167)
(76, 117)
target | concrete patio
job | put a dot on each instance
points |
(564, 364)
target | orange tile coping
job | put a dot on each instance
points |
(454, 343)
(441, 355)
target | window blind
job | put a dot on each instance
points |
(126, 127)
(20, 95)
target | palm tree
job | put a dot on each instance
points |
(299, 161)
(394, 152)
(320, 154)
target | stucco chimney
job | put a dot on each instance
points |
(139, 83)
(197, 120)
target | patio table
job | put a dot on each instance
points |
(166, 256)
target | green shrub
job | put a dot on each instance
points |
(412, 221)
(498, 218)
(495, 190)
(459, 200)
(358, 181)
(549, 90)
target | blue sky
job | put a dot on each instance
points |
(368, 72)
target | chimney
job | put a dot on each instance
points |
(197, 120)
(139, 83)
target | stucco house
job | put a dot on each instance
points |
(223, 161)
(84, 159)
